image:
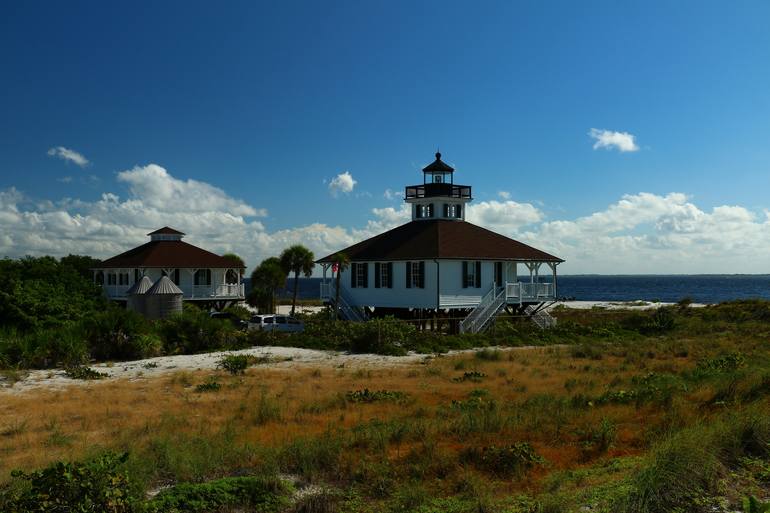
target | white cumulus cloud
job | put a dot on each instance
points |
(68, 155)
(607, 139)
(638, 233)
(343, 182)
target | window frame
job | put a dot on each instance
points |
(470, 275)
(415, 284)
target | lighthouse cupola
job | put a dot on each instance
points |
(438, 197)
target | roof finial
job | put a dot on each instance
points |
(438, 153)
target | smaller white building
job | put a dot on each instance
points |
(201, 275)
(440, 262)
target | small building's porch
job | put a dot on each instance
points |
(196, 284)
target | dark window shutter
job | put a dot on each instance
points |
(478, 274)
(208, 276)
(353, 274)
(446, 210)
(458, 211)
(422, 275)
(366, 274)
(377, 267)
(176, 276)
(465, 274)
(409, 275)
(390, 275)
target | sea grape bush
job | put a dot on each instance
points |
(100, 484)
(87, 373)
(371, 396)
(470, 376)
(252, 493)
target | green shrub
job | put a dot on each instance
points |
(686, 466)
(255, 493)
(370, 396)
(209, 386)
(725, 363)
(194, 331)
(386, 336)
(43, 348)
(492, 355)
(41, 293)
(118, 334)
(99, 485)
(86, 373)
(507, 461)
(753, 505)
(235, 363)
(475, 376)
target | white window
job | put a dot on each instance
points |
(361, 275)
(416, 277)
(384, 276)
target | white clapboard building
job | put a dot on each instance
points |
(201, 276)
(438, 264)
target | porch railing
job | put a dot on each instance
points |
(223, 290)
(522, 291)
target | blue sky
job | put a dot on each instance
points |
(267, 103)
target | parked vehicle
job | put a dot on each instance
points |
(234, 319)
(273, 322)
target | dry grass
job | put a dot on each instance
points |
(72, 422)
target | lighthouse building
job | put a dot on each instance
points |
(439, 264)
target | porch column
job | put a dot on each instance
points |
(192, 281)
(553, 265)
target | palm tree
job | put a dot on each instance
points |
(341, 262)
(297, 259)
(268, 277)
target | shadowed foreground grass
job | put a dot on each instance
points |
(674, 418)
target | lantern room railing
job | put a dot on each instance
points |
(430, 190)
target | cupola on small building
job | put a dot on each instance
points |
(440, 265)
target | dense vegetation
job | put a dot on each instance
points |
(52, 315)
